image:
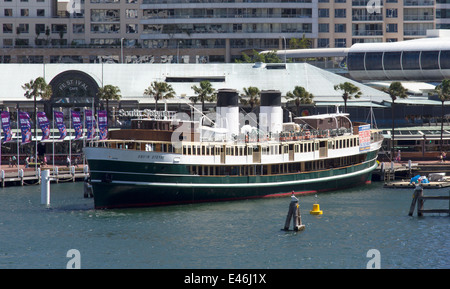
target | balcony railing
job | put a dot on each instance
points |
(418, 3)
(414, 32)
(221, 1)
(368, 33)
(418, 17)
(369, 17)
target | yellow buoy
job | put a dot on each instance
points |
(316, 210)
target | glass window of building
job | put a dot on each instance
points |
(429, 59)
(391, 13)
(340, 13)
(324, 13)
(39, 28)
(392, 27)
(7, 28)
(105, 15)
(355, 61)
(340, 42)
(324, 27)
(392, 60)
(340, 28)
(323, 42)
(78, 28)
(410, 60)
(374, 61)
(445, 59)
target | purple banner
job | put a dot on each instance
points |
(25, 126)
(103, 124)
(6, 125)
(44, 124)
(90, 124)
(77, 125)
(59, 119)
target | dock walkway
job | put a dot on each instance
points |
(30, 176)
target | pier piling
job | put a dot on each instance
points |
(420, 199)
(45, 187)
(294, 213)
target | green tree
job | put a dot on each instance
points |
(395, 90)
(303, 43)
(159, 90)
(204, 92)
(269, 57)
(349, 91)
(300, 96)
(443, 92)
(251, 96)
(107, 93)
(34, 89)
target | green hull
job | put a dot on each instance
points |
(120, 184)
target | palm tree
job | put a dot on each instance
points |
(395, 90)
(159, 90)
(109, 92)
(350, 90)
(205, 92)
(251, 96)
(34, 89)
(300, 96)
(443, 92)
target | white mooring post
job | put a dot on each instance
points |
(45, 187)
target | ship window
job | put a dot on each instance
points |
(392, 60)
(429, 59)
(374, 61)
(355, 61)
(410, 60)
(445, 59)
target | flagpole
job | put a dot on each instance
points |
(18, 153)
(84, 123)
(35, 143)
(92, 122)
(70, 138)
(53, 139)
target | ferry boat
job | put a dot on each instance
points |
(167, 160)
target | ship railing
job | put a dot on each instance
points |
(286, 136)
(376, 136)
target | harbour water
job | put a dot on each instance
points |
(234, 235)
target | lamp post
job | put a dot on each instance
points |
(178, 51)
(121, 50)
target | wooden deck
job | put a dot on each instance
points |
(405, 184)
(29, 176)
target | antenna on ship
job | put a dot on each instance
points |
(373, 122)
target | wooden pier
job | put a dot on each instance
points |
(406, 184)
(22, 176)
(419, 199)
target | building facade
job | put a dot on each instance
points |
(193, 31)
(343, 23)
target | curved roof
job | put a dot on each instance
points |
(133, 79)
(409, 45)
